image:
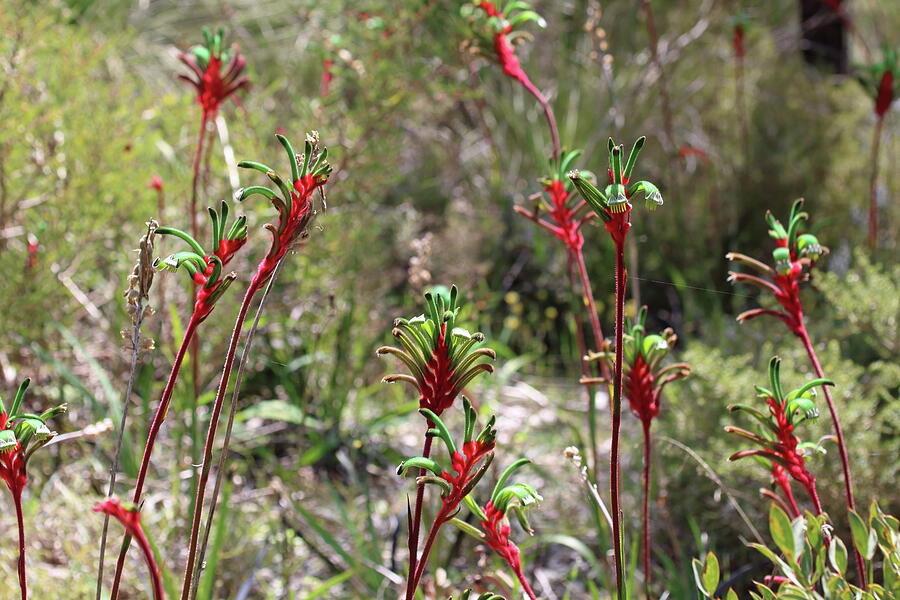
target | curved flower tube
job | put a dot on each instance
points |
(130, 517)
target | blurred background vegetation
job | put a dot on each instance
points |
(433, 146)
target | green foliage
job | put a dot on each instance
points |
(811, 562)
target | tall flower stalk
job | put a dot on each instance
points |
(215, 74)
(21, 435)
(137, 295)
(645, 378)
(778, 444)
(882, 82)
(613, 206)
(206, 272)
(309, 172)
(442, 359)
(565, 217)
(129, 516)
(794, 257)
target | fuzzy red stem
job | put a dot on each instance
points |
(617, 417)
(219, 401)
(548, 114)
(155, 426)
(197, 157)
(20, 520)
(585, 372)
(524, 582)
(413, 542)
(839, 433)
(152, 567)
(648, 443)
(873, 185)
(439, 522)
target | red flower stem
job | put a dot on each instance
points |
(206, 463)
(873, 185)
(198, 154)
(220, 468)
(617, 418)
(839, 433)
(596, 329)
(524, 582)
(413, 542)
(548, 115)
(17, 500)
(152, 567)
(648, 444)
(114, 468)
(195, 344)
(585, 372)
(426, 550)
(155, 426)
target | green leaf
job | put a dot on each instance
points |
(710, 574)
(780, 528)
(837, 554)
(861, 535)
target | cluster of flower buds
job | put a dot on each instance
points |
(613, 205)
(503, 33)
(206, 268)
(468, 464)
(309, 172)
(779, 448)
(21, 434)
(793, 258)
(213, 83)
(882, 81)
(129, 516)
(644, 376)
(442, 359)
(566, 219)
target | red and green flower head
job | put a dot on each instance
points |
(739, 23)
(566, 217)
(645, 377)
(206, 268)
(613, 205)
(442, 358)
(215, 70)
(506, 499)
(309, 172)
(793, 258)
(468, 463)
(503, 32)
(21, 435)
(777, 444)
(467, 595)
(882, 81)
